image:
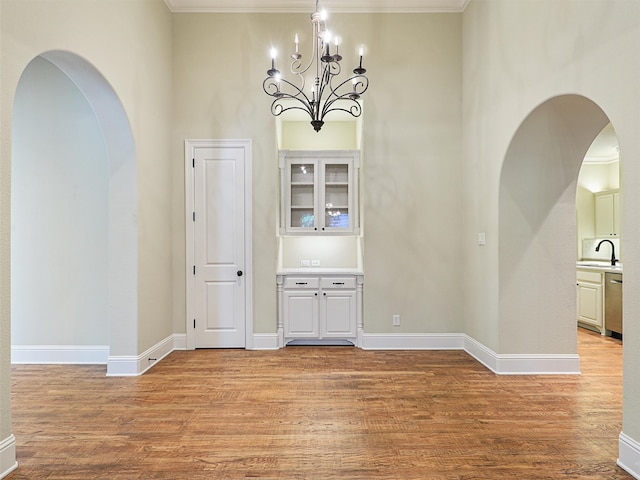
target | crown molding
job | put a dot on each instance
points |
(305, 6)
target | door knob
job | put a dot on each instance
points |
(239, 273)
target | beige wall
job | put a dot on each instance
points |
(426, 193)
(219, 65)
(130, 43)
(410, 160)
(511, 66)
(59, 192)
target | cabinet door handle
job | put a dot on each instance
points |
(615, 281)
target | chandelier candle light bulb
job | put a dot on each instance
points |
(273, 72)
(329, 93)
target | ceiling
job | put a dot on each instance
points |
(604, 148)
(301, 6)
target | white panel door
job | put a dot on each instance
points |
(219, 247)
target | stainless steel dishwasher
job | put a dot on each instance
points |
(613, 302)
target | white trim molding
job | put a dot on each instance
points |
(501, 364)
(59, 354)
(131, 366)
(8, 462)
(523, 364)
(629, 455)
(302, 6)
(265, 341)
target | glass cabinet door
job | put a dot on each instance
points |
(303, 194)
(319, 192)
(336, 196)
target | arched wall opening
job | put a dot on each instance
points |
(537, 226)
(74, 206)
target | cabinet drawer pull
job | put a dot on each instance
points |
(615, 281)
(301, 283)
(338, 283)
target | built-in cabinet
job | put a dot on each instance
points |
(607, 214)
(320, 307)
(319, 192)
(590, 296)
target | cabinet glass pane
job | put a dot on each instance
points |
(302, 173)
(336, 218)
(302, 196)
(336, 196)
(336, 173)
(302, 218)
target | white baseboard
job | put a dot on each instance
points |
(522, 364)
(76, 354)
(265, 341)
(130, 365)
(412, 341)
(629, 455)
(179, 341)
(8, 461)
(509, 364)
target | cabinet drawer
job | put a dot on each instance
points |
(300, 282)
(591, 277)
(338, 282)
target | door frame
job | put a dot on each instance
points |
(190, 145)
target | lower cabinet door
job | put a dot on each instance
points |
(338, 314)
(301, 314)
(590, 304)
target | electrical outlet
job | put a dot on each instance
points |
(305, 263)
(315, 263)
(396, 320)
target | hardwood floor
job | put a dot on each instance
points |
(320, 413)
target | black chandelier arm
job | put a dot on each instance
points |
(302, 102)
(271, 87)
(358, 87)
(355, 110)
(278, 109)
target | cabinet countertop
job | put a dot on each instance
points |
(599, 266)
(319, 271)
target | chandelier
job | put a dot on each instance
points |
(327, 93)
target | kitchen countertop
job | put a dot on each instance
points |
(599, 266)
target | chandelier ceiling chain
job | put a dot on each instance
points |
(324, 96)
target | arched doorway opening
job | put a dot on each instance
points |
(74, 205)
(537, 216)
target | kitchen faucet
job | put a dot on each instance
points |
(613, 251)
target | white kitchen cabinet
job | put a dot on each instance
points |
(607, 214)
(590, 299)
(320, 307)
(301, 314)
(319, 192)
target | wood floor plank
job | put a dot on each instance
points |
(320, 413)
